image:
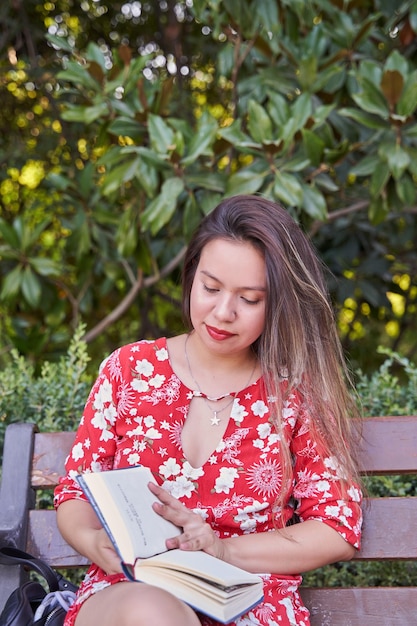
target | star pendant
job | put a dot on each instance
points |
(215, 420)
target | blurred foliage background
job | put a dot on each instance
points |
(123, 123)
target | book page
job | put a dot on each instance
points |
(201, 564)
(123, 502)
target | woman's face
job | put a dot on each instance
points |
(228, 296)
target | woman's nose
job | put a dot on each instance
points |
(226, 308)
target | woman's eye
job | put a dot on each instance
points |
(210, 289)
(250, 301)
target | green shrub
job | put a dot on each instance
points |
(54, 398)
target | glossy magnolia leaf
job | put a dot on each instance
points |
(119, 175)
(396, 62)
(160, 210)
(408, 101)
(398, 161)
(95, 54)
(236, 137)
(31, 287)
(212, 181)
(406, 190)
(75, 113)
(79, 75)
(162, 137)
(392, 84)
(368, 120)
(313, 146)
(9, 234)
(147, 176)
(60, 43)
(126, 127)
(259, 122)
(244, 181)
(379, 179)
(302, 110)
(366, 166)
(12, 283)
(202, 139)
(45, 267)
(314, 203)
(288, 189)
(371, 99)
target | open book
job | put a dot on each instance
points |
(123, 503)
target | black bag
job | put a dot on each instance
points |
(30, 604)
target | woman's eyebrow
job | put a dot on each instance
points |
(243, 288)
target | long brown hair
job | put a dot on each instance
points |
(299, 340)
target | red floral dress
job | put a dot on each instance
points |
(134, 415)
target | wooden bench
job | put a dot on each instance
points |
(33, 461)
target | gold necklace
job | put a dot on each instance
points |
(197, 393)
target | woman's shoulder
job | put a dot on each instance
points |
(152, 350)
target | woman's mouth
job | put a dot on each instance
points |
(218, 334)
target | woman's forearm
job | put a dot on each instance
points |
(81, 528)
(293, 550)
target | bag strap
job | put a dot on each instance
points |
(14, 556)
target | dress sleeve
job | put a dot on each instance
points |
(95, 441)
(319, 491)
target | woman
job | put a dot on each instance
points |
(245, 420)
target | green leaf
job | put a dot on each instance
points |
(368, 120)
(79, 75)
(201, 140)
(126, 127)
(313, 146)
(398, 161)
(31, 287)
(9, 234)
(160, 210)
(406, 190)
(45, 267)
(378, 210)
(147, 176)
(314, 203)
(75, 113)
(94, 53)
(118, 176)
(12, 283)
(259, 122)
(408, 101)
(379, 179)
(371, 99)
(288, 189)
(162, 138)
(244, 181)
(366, 166)
(60, 43)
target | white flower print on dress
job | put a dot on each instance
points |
(238, 412)
(162, 354)
(181, 487)
(144, 367)
(157, 381)
(169, 468)
(77, 451)
(225, 482)
(139, 385)
(259, 408)
(250, 516)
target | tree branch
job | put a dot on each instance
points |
(129, 298)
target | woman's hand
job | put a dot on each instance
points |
(196, 535)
